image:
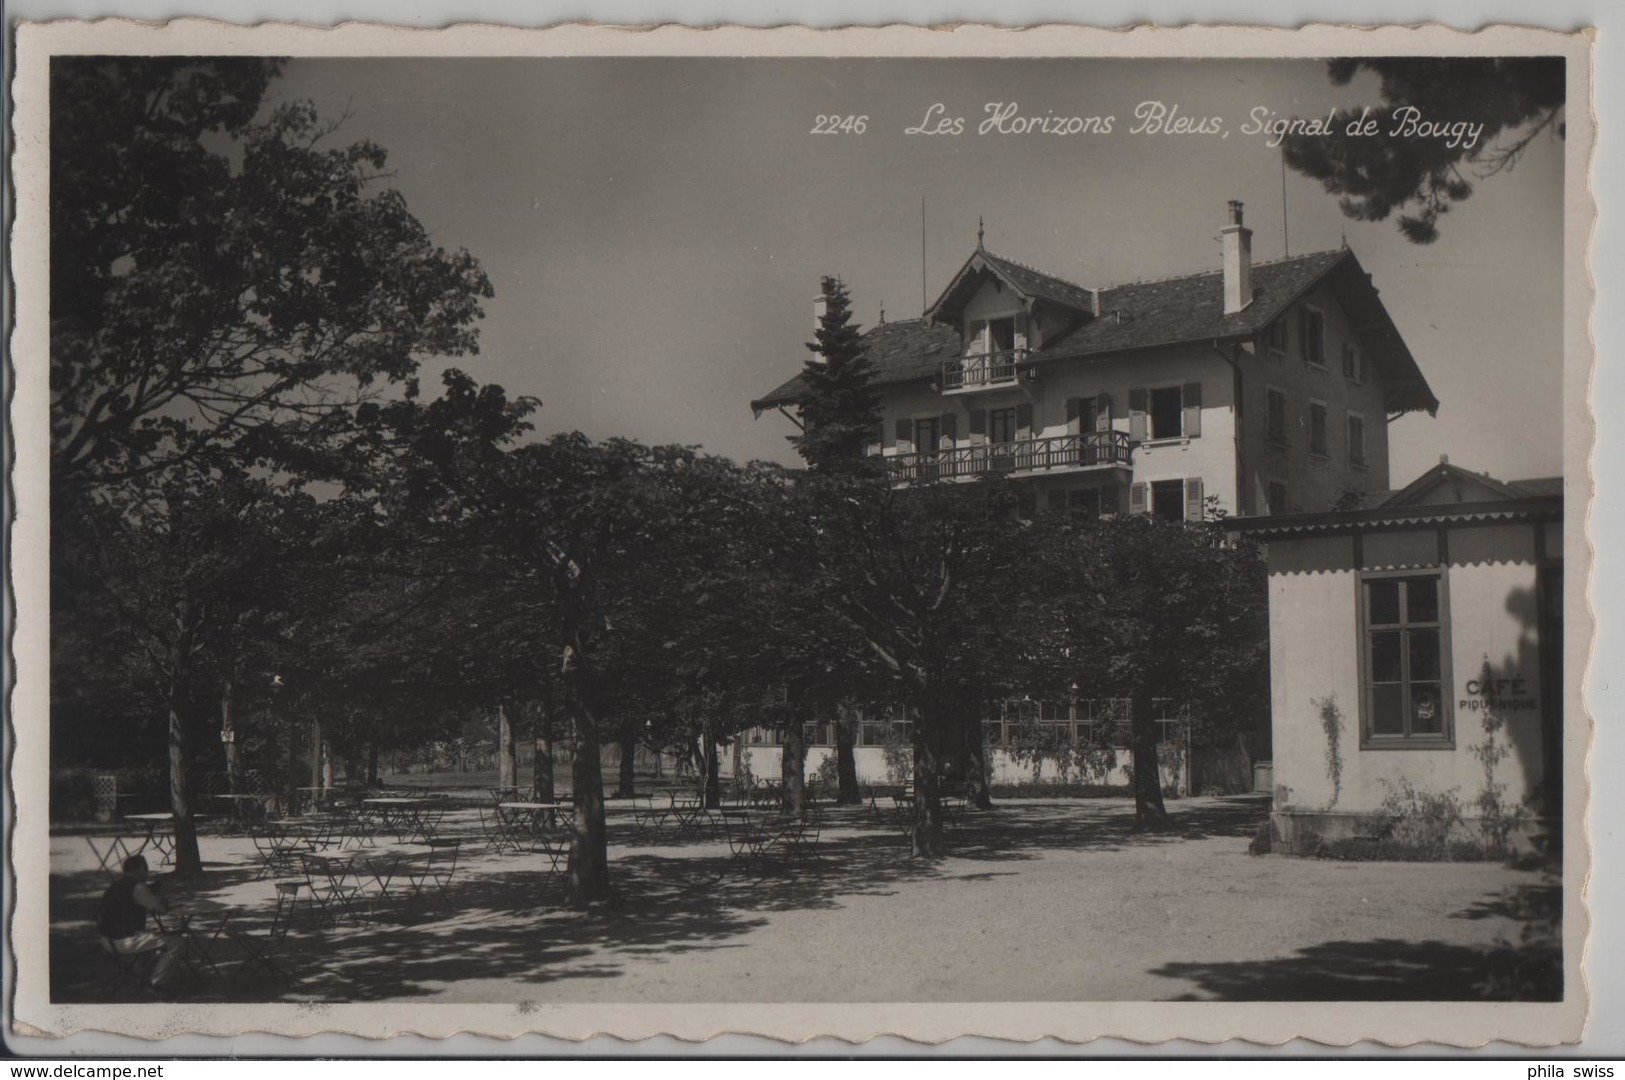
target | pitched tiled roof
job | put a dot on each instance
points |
(1191, 308)
(1148, 314)
(1044, 286)
(899, 352)
(1545, 485)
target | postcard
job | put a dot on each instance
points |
(1025, 533)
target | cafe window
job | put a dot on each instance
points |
(1405, 645)
(1167, 412)
(1313, 323)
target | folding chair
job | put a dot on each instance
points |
(110, 855)
(277, 849)
(648, 817)
(333, 887)
(434, 874)
(261, 951)
(495, 829)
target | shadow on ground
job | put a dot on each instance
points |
(504, 921)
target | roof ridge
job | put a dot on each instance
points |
(1218, 270)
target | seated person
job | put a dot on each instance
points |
(122, 920)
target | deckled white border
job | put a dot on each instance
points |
(1460, 1024)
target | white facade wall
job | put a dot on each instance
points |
(764, 764)
(1233, 455)
(1315, 656)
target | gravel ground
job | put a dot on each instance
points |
(1045, 900)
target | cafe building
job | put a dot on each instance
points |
(1416, 651)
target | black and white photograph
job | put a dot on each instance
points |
(547, 540)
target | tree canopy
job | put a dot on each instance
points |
(1515, 98)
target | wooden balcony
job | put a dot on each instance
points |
(981, 371)
(1056, 453)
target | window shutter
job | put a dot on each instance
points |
(1137, 400)
(1074, 410)
(1194, 510)
(904, 437)
(878, 437)
(1136, 498)
(978, 422)
(1191, 397)
(1024, 421)
(1103, 412)
(1303, 333)
(950, 426)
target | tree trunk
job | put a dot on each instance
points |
(589, 856)
(710, 769)
(1149, 813)
(372, 765)
(793, 763)
(925, 835)
(188, 863)
(626, 787)
(542, 768)
(315, 759)
(228, 738)
(978, 790)
(507, 753)
(846, 759)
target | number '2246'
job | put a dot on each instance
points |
(839, 125)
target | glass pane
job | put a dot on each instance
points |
(1427, 717)
(1424, 654)
(1385, 656)
(1422, 600)
(1384, 602)
(1387, 710)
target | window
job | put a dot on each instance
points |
(1001, 425)
(1277, 497)
(1314, 336)
(926, 446)
(1317, 428)
(1353, 363)
(1166, 714)
(1001, 334)
(1404, 663)
(1275, 336)
(1168, 499)
(1167, 413)
(1356, 440)
(1275, 416)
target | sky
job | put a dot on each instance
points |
(656, 229)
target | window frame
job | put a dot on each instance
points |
(1314, 357)
(1357, 376)
(1151, 497)
(1446, 738)
(1324, 450)
(1269, 487)
(1355, 462)
(1151, 392)
(1276, 336)
(1272, 394)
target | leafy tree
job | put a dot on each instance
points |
(1516, 97)
(915, 573)
(1138, 608)
(223, 282)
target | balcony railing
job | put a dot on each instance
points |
(1096, 449)
(981, 369)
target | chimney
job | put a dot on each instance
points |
(1238, 262)
(819, 306)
